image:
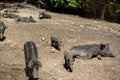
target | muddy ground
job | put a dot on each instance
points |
(73, 30)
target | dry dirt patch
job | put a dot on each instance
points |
(73, 30)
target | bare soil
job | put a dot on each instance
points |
(73, 30)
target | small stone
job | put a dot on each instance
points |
(15, 63)
(99, 26)
(88, 24)
(59, 79)
(118, 34)
(2, 64)
(81, 26)
(55, 64)
(43, 39)
(52, 51)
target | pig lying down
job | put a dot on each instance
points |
(86, 52)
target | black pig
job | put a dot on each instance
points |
(31, 59)
(2, 30)
(87, 52)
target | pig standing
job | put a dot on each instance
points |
(2, 30)
(69, 60)
(56, 42)
(31, 59)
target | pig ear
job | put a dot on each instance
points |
(102, 46)
(40, 12)
(30, 64)
(68, 60)
(31, 17)
(39, 63)
(4, 25)
(75, 56)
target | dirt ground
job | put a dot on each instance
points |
(73, 30)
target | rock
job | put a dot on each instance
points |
(2, 64)
(88, 24)
(43, 39)
(118, 34)
(81, 26)
(99, 26)
(55, 64)
(59, 79)
(52, 51)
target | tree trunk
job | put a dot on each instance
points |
(25, 1)
(103, 12)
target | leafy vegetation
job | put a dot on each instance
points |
(101, 9)
(98, 9)
(61, 5)
(114, 11)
